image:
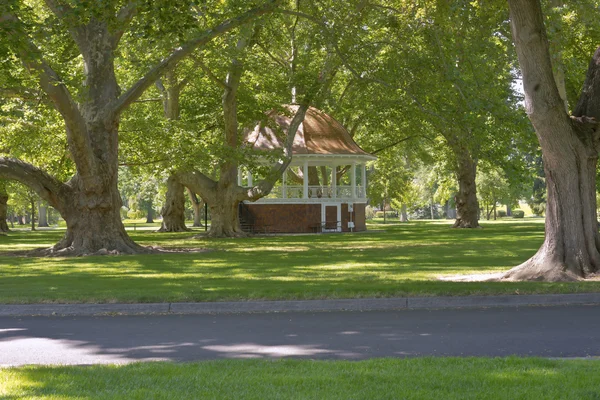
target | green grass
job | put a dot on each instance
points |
(389, 260)
(424, 378)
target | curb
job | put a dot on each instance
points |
(384, 304)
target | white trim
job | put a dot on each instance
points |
(306, 201)
(334, 181)
(353, 179)
(363, 178)
(305, 179)
(284, 184)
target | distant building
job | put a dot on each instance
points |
(323, 189)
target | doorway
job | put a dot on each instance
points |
(331, 217)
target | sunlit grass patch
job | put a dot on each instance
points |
(418, 378)
(391, 260)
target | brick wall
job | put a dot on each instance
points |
(300, 218)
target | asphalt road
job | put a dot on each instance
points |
(572, 331)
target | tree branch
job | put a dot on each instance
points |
(265, 186)
(50, 83)
(209, 73)
(389, 146)
(47, 187)
(185, 50)
(124, 17)
(197, 182)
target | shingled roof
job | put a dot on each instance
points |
(319, 134)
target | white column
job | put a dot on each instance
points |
(353, 178)
(305, 180)
(239, 176)
(250, 184)
(363, 179)
(284, 185)
(334, 180)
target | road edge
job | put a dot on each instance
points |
(371, 304)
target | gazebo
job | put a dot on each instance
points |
(324, 187)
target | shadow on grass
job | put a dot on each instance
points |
(402, 260)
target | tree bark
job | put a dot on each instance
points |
(3, 208)
(173, 212)
(197, 208)
(467, 205)
(570, 152)
(403, 213)
(150, 213)
(224, 214)
(32, 201)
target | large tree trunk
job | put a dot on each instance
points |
(224, 214)
(467, 205)
(94, 223)
(173, 212)
(570, 153)
(3, 209)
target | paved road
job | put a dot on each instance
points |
(528, 331)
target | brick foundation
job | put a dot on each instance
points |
(300, 218)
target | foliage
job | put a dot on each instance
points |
(387, 214)
(518, 213)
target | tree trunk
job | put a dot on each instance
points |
(3, 209)
(150, 213)
(571, 246)
(570, 152)
(197, 208)
(508, 210)
(32, 214)
(431, 209)
(42, 215)
(173, 212)
(225, 220)
(466, 199)
(403, 213)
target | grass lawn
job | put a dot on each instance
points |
(389, 260)
(423, 378)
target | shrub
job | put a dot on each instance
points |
(388, 214)
(135, 214)
(501, 213)
(518, 214)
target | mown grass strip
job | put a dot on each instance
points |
(424, 378)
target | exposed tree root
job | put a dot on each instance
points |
(175, 228)
(460, 223)
(541, 271)
(222, 234)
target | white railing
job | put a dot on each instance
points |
(276, 193)
(315, 192)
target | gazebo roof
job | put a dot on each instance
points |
(319, 134)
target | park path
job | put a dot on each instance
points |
(559, 331)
